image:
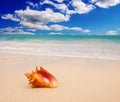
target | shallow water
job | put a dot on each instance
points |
(90, 46)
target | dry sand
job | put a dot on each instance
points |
(80, 79)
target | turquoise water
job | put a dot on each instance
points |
(114, 38)
(90, 46)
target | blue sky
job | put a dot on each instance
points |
(60, 17)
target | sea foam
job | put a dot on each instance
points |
(68, 46)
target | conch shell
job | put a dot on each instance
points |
(42, 78)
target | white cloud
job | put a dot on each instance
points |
(32, 4)
(54, 27)
(35, 26)
(80, 29)
(60, 1)
(39, 20)
(14, 30)
(80, 7)
(60, 28)
(10, 16)
(54, 33)
(60, 6)
(41, 17)
(34, 19)
(105, 3)
(86, 31)
(37, 17)
(112, 32)
(76, 28)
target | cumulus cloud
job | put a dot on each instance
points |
(54, 33)
(105, 3)
(10, 16)
(112, 32)
(80, 29)
(38, 20)
(34, 26)
(47, 19)
(34, 19)
(78, 6)
(60, 28)
(32, 4)
(14, 30)
(81, 7)
(41, 17)
(60, 6)
(37, 17)
(60, 1)
(87, 31)
(54, 27)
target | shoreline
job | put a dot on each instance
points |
(80, 79)
(82, 48)
(75, 57)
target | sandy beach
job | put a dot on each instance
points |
(80, 79)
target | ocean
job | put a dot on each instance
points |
(84, 46)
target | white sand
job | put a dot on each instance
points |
(80, 79)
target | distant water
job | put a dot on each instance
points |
(89, 46)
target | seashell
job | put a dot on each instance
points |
(42, 78)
